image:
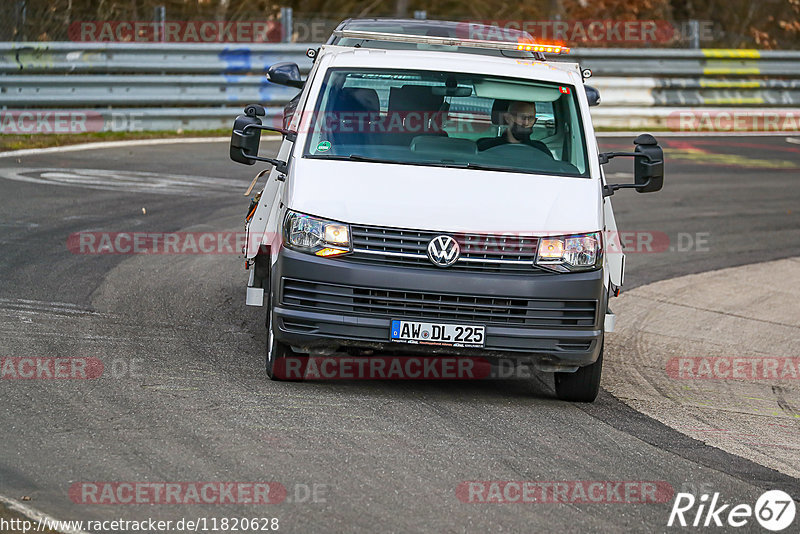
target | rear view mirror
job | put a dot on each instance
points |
(285, 73)
(592, 95)
(452, 91)
(648, 171)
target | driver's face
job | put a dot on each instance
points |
(524, 116)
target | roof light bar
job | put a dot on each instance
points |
(451, 41)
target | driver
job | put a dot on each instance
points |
(520, 118)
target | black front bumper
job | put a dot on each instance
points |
(324, 304)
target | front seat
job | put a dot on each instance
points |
(415, 110)
(499, 107)
(355, 109)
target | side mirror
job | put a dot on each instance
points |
(648, 171)
(245, 141)
(285, 73)
(592, 95)
(648, 166)
(246, 136)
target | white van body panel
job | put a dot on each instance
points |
(614, 256)
(444, 199)
(266, 215)
(553, 71)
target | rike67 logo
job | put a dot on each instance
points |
(774, 510)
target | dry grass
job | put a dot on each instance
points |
(18, 142)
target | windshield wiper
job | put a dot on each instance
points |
(478, 166)
(359, 157)
(355, 157)
(369, 159)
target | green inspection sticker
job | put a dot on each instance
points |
(324, 146)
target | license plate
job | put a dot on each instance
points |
(456, 335)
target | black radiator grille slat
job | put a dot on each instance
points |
(340, 298)
(479, 252)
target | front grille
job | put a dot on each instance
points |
(448, 307)
(479, 252)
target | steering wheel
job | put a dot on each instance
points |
(516, 149)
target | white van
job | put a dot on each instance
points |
(437, 202)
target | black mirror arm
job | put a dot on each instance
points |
(281, 166)
(605, 157)
(288, 134)
(608, 189)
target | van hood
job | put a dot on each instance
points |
(443, 199)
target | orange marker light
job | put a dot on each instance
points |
(330, 252)
(538, 47)
(551, 249)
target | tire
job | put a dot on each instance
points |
(279, 354)
(581, 386)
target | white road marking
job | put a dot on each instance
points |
(793, 140)
(120, 144)
(36, 516)
(37, 307)
(127, 181)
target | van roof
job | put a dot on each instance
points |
(432, 59)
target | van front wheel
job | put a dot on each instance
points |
(282, 363)
(581, 386)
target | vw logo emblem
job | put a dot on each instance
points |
(443, 251)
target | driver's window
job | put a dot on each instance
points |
(545, 120)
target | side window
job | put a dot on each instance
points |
(545, 120)
(470, 117)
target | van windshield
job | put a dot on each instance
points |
(448, 119)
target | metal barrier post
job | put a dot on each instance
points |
(160, 18)
(286, 25)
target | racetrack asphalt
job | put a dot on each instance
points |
(183, 397)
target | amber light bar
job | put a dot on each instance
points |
(548, 49)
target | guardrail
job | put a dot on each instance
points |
(203, 86)
(146, 58)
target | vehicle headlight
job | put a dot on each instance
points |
(316, 236)
(570, 253)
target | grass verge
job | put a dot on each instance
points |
(20, 142)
